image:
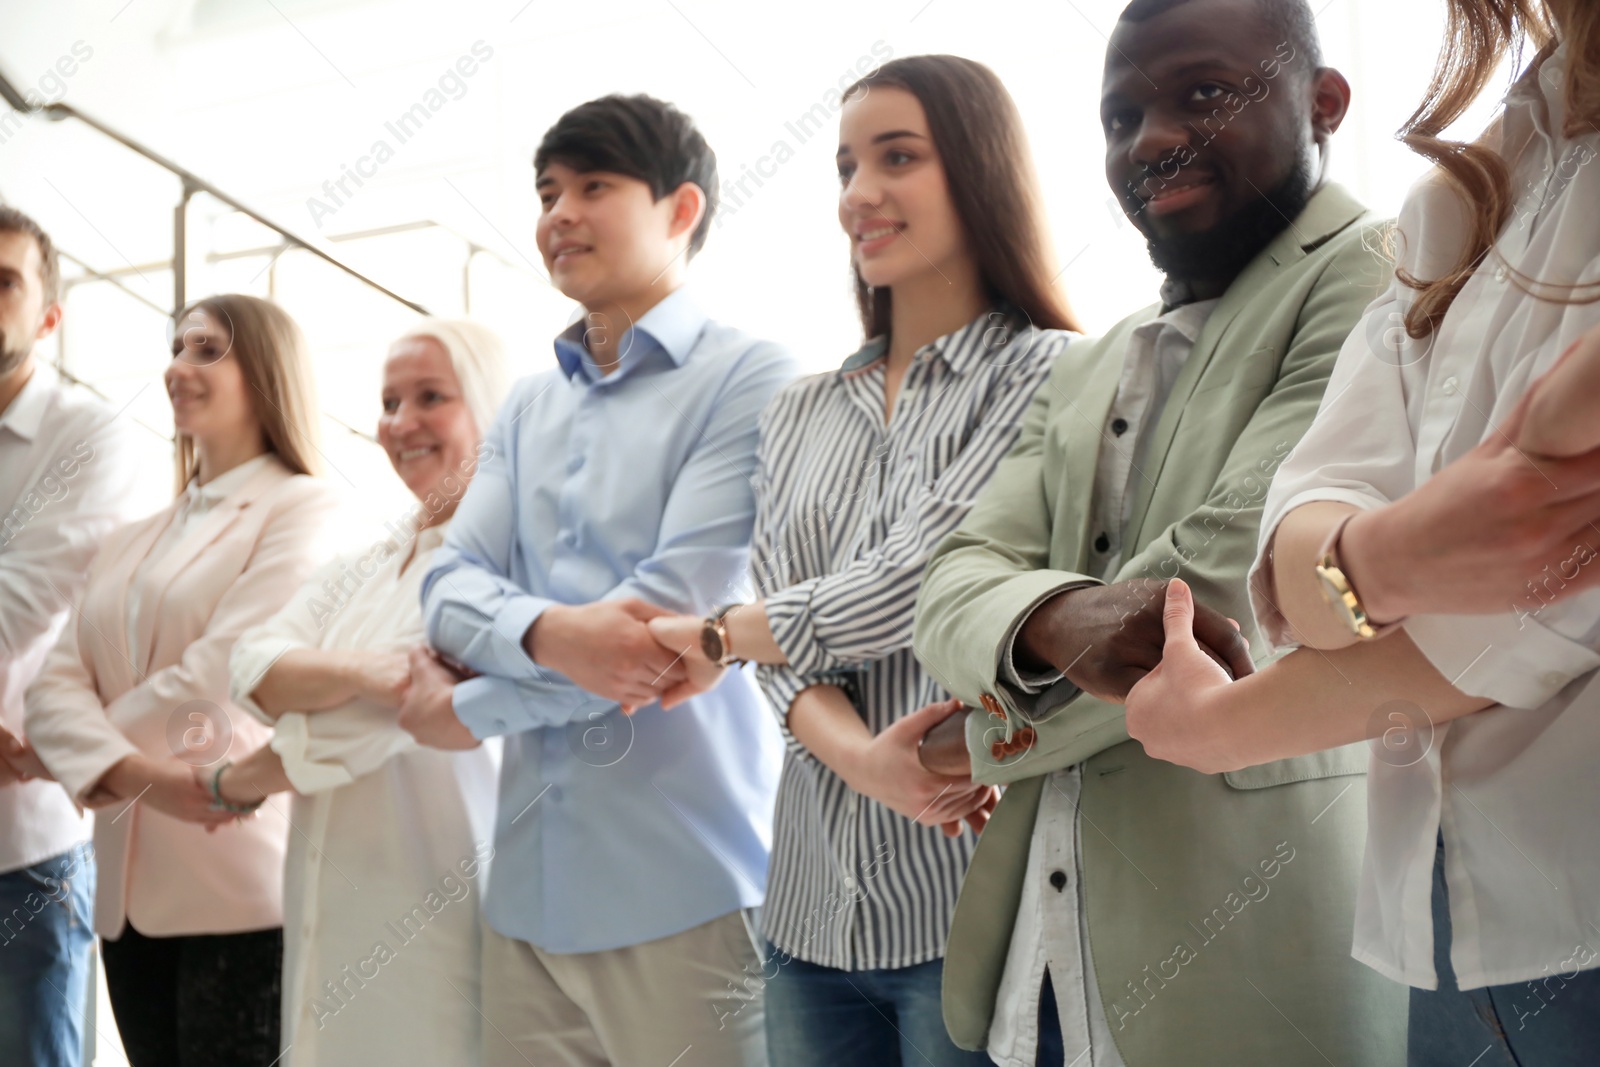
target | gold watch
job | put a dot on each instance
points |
(1340, 594)
(714, 641)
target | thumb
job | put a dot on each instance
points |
(1177, 618)
(658, 630)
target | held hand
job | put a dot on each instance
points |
(606, 649)
(428, 710)
(169, 786)
(1498, 530)
(680, 635)
(888, 770)
(1106, 638)
(1560, 416)
(1169, 710)
(384, 677)
(978, 817)
(18, 761)
(944, 747)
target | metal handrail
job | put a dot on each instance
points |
(192, 183)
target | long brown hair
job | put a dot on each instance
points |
(989, 171)
(1478, 36)
(276, 364)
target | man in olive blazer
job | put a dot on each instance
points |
(1218, 908)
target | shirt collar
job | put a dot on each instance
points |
(1176, 292)
(1186, 321)
(960, 349)
(672, 326)
(25, 414)
(1541, 91)
(218, 488)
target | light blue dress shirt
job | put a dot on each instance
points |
(614, 830)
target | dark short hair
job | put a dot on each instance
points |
(640, 137)
(1293, 20)
(14, 221)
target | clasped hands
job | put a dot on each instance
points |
(1507, 528)
(1120, 643)
(626, 650)
(637, 653)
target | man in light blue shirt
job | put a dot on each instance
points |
(612, 490)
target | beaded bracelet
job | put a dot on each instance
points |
(221, 803)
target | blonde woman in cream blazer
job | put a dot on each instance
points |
(133, 705)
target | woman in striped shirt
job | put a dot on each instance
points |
(861, 472)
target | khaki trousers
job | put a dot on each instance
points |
(692, 999)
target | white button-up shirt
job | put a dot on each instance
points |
(66, 475)
(1514, 788)
(1050, 930)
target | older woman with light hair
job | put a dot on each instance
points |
(392, 840)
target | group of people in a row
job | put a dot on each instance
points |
(493, 789)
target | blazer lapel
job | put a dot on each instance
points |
(191, 544)
(1330, 211)
(116, 666)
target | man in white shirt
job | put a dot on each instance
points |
(65, 476)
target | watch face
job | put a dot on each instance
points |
(711, 643)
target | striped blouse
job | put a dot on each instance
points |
(848, 510)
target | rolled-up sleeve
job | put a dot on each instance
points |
(335, 747)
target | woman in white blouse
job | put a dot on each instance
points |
(134, 698)
(381, 884)
(1481, 887)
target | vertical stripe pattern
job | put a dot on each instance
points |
(849, 508)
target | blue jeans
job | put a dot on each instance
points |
(820, 1015)
(46, 960)
(1551, 1022)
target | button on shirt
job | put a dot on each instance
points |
(849, 510)
(1051, 930)
(614, 830)
(66, 480)
(1512, 788)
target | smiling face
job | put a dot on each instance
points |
(894, 202)
(426, 427)
(1207, 111)
(603, 237)
(210, 398)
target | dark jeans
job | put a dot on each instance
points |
(197, 1000)
(1551, 1022)
(820, 1015)
(46, 960)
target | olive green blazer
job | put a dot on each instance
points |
(1219, 907)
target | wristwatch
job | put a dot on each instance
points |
(714, 640)
(1340, 593)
